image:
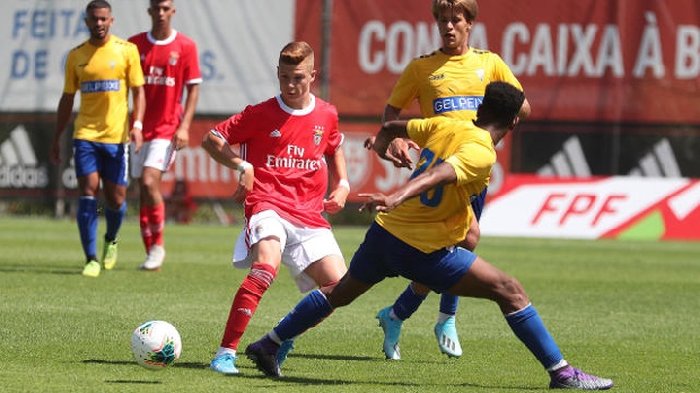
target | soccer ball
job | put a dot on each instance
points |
(156, 345)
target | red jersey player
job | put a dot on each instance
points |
(170, 65)
(288, 144)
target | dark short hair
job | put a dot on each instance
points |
(96, 4)
(502, 102)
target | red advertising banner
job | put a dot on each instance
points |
(587, 60)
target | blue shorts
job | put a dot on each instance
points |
(383, 255)
(110, 160)
(478, 203)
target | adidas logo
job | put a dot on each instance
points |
(275, 133)
(18, 164)
(659, 162)
(569, 162)
(245, 311)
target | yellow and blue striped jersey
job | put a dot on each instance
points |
(103, 75)
(451, 86)
(435, 219)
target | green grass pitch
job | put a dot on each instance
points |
(626, 310)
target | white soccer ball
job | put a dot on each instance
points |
(156, 345)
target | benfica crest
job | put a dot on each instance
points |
(318, 135)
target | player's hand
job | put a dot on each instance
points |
(181, 138)
(378, 202)
(336, 201)
(245, 184)
(136, 137)
(398, 152)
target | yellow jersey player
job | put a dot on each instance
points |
(448, 82)
(104, 69)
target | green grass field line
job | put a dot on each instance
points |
(624, 309)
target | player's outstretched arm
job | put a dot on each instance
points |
(442, 173)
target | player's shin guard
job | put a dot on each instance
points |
(528, 326)
(156, 217)
(407, 303)
(145, 226)
(309, 312)
(87, 225)
(114, 220)
(246, 302)
(448, 303)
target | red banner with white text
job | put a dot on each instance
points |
(586, 60)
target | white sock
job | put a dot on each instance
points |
(223, 351)
(274, 337)
(442, 317)
(561, 364)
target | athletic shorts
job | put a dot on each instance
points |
(300, 246)
(383, 255)
(478, 202)
(158, 154)
(109, 160)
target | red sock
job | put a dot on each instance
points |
(156, 217)
(245, 302)
(146, 234)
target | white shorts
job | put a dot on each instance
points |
(158, 154)
(300, 246)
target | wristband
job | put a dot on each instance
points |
(344, 183)
(242, 166)
(138, 124)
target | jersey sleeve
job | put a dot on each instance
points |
(503, 73)
(406, 88)
(335, 138)
(134, 72)
(471, 161)
(419, 130)
(237, 128)
(70, 84)
(192, 74)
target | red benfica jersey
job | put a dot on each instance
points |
(168, 66)
(286, 147)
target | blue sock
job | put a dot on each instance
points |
(309, 312)
(407, 303)
(87, 225)
(448, 303)
(114, 220)
(528, 326)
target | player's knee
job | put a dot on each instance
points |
(510, 294)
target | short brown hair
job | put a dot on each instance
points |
(294, 53)
(469, 8)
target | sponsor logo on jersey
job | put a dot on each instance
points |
(436, 77)
(100, 86)
(456, 103)
(156, 77)
(275, 133)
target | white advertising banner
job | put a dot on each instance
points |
(239, 42)
(657, 208)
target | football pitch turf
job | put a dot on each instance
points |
(627, 310)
